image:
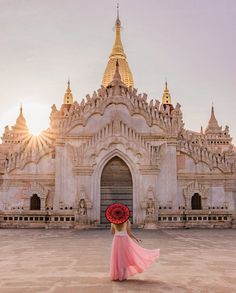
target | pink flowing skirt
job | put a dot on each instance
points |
(128, 258)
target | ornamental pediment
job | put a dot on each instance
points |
(167, 119)
(114, 112)
(196, 187)
(111, 136)
(37, 188)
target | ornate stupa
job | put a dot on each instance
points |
(215, 135)
(15, 134)
(213, 126)
(118, 54)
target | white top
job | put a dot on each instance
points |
(121, 233)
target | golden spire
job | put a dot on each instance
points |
(118, 54)
(166, 98)
(118, 49)
(68, 97)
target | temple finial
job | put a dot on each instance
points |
(118, 23)
(118, 15)
(68, 85)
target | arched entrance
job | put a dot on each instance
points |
(196, 202)
(116, 186)
(35, 203)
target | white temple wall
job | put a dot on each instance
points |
(64, 179)
(180, 196)
(10, 198)
(69, 188)
(222, 198)
(201, 167)
(167, 179)
(234, 200)
(218, 197)
(46, 165)
(59, 162)
(229, 200)
(191, 167)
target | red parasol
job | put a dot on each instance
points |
(117, 213)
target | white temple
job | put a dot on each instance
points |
(117, 146)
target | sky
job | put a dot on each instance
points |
(191, 43)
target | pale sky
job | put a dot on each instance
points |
(191, 43)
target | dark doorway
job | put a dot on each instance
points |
(196, 202)
(116, 186)
(35, 203)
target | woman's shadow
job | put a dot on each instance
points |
(149, 286)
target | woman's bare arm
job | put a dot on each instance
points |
(130, 232)
(112, 229)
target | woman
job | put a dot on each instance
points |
(127, 257)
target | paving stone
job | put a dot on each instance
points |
(67, 261)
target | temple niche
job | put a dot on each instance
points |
(117, 145)
(150, 207)
(83, 206)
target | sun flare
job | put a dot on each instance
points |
(37, 117)
(35, 114)
(35, 132)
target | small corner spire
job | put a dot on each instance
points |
(166, 98)
(68, 97)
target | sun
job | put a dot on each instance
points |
(37, 117)
(35, 132)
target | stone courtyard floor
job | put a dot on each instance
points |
(69, 261)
